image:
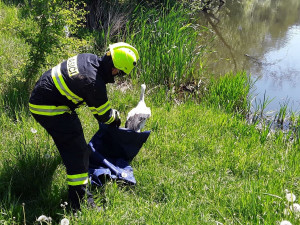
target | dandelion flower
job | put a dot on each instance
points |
(295, 208)
(290, 197)
(42, 218)
(64, 221)
(286, 212)
(285, 222)
(34, 131)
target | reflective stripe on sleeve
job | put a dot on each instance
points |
(101, 110)
(48, 110)
(111, 119)
(61, 85)
(77, 179)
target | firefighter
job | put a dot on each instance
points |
(80, 80)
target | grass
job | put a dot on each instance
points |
(202, 164)
(230, 92)
(167, 40)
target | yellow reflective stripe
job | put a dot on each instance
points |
(101, 110)
(61, 85)
(48, 110)
(77, 179)
(74, 176)
(110, 120)
(81, 182)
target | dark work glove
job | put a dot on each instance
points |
(117, 121)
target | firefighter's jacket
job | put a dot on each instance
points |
(77, 81)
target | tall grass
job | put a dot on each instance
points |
(230, 92)
(168, 43)
(259, 109)
(282, 114)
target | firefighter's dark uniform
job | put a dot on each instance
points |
(79, 80)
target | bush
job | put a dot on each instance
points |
(47, 33)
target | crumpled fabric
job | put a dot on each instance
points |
(112, 151)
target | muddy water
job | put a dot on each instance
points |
(261, 37)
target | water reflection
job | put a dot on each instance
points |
(263, 38)
(281, 78)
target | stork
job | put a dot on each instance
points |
(137, 117)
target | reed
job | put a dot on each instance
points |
(168, 45)
(258, 111)
(282, 114)
(230, 92)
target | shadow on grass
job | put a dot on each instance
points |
(26, 184)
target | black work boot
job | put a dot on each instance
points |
(91, 204)
(77, 194)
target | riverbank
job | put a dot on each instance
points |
(203, 163)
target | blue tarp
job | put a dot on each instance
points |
(112, 151)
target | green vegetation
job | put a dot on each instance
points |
(202, 164)
(230, 92)
(168, 45)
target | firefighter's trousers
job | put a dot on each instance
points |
(67, 133)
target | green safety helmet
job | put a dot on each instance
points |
(124, 56)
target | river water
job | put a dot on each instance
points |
(261, 37)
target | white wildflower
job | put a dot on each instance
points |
(290, 197)
(286, 212)
(34, 131)
(43, 218)
(285, 222)
(295, 208)
(47, 156)
(64, 205)
(64, 221)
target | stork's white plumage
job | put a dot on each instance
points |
(137, 117)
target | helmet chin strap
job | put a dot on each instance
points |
(121, 73)
(114, 71)
(117, 72)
